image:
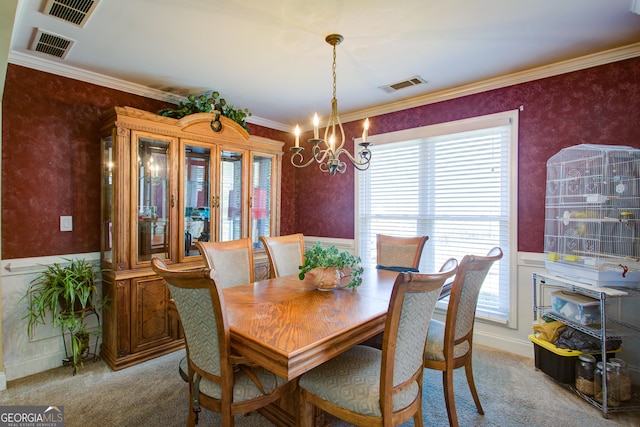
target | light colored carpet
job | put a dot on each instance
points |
(512, 393)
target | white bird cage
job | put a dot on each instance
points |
(592, 213)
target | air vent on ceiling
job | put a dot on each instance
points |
(76, 12)
(51, 44)
(413, 81)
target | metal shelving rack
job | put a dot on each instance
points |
(609, 329)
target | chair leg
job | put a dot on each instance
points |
(472, 386)
(192, 419)
(417, 418)
(227, 419)
(447, 384)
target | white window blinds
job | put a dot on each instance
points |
(453, 183)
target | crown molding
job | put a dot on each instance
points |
(268, 123)
(57, 68)
(562, 67)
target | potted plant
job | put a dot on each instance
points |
(329, 265)
(66, 292)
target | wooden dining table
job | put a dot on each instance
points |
(289, 326)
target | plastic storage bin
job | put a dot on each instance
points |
(558, 363)
(576, 307)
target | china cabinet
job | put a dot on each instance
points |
(167, 184)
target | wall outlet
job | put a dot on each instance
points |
(66, 223)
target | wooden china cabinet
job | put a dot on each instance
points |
(166, 184)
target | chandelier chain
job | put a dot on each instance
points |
(334, 71)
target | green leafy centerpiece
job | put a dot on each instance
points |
(328, 266)
(211, 103)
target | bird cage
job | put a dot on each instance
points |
(592, 213)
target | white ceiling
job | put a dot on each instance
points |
(271, 57)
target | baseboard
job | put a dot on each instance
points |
(43, 362)
(35, 365)
(516, 346)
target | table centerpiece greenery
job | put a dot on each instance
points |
(344, 263)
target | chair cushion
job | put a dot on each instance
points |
(435, 343)
(243, 387)
(352, 381)
(397, 268)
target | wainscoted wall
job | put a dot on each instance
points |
(26, 356)
(23, 355)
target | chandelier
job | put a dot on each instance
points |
(326, 152)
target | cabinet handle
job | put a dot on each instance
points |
(250, 202)
(173, 201)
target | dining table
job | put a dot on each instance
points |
(288, 326)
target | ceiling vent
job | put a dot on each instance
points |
(413, 81)
(51, 44)
(76, 12)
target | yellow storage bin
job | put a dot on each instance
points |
(559, 363)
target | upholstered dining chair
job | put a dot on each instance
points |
(399, 253)
(449, 345)
(232, 261)
(369, 387)
(218, 380)
(286, 253)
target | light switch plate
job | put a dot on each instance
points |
(66, 223)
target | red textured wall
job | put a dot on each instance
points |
(599, 105)
(51, 152)
(51, 160)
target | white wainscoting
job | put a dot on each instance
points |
(25, 356)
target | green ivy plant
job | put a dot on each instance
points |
(207, 104)
(330, 256)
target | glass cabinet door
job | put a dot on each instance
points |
(153, 199)
(106, 238)
(231, 210)
(197, 197)
(261, 172)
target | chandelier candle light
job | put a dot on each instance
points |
(328, 157)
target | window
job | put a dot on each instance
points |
(454, 182)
